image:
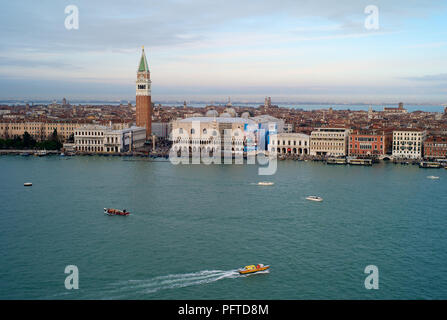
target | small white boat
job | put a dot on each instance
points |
(433, 177)
(314, 198)
(265, 183)
(27, 184)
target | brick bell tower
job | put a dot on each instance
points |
(144, 104)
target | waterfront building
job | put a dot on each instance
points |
(143, 96)
(408, 143)
(435, 147)
(105, 139)
(370, 143)
(39, 130)
(207, 134)
(329, 142)
(290, 143)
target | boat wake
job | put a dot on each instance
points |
(173, 281)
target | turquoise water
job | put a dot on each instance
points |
(192, 226)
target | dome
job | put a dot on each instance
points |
(245, 115)
(230, 111)
(212, 113)
(197, 114)
(225, 115)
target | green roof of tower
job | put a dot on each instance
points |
(143, 67)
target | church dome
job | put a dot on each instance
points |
(245, 115)
(212, 113)
(230, 111)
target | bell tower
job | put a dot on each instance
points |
(143, 96)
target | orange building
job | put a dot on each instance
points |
(435, 147)
(370, 143)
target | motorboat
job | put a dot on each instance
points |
(253, 268)
(430, 164)
(28, 184)
(433, 177)
(265, 183)
(314, 198)
(116, 212)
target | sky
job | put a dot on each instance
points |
(291, 50)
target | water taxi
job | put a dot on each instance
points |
(429, 164)
(314, 198)
(265, 183)
(116, 212)
(336, 161)
(433, 177)
(360, 162)
(27, 184)
(252, 268)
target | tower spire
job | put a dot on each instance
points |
(143, 66)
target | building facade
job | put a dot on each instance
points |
(329, 142)
(208, 134)
(290, 143)
(161, 129)
(143, 96)
(435, 147)
(408, 143)
(37, 129)
(104, 139)
(370, 143)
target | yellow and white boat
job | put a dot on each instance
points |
(265, 183)
(252, 268)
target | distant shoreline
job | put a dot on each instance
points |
(308, 106)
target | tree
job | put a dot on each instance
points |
(54, 136)
(28, 141)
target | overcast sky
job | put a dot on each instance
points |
(293, 50)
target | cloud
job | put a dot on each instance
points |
(430, 78)
(30, 63)
(205, 42)
(121, 25)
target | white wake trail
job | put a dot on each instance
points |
(172, 281)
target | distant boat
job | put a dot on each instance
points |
(433, 177)
(314, 198)
(41, 153)
(430, 164)
(116, 212)
(265, 183)
(27, 184)
(336, 161)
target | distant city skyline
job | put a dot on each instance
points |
(317, 51)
